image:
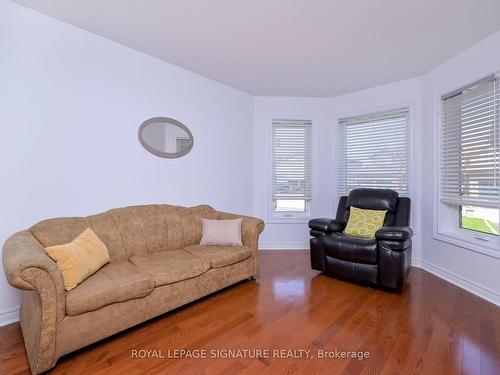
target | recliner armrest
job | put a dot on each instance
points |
(394, 234)
(326, 225)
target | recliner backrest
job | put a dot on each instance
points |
(402, 217)
(376, 199)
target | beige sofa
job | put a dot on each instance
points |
(156, 265)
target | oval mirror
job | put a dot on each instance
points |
(165, 137)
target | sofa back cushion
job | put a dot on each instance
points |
(132, 230)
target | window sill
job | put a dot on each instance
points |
(454, 239)
(288, 220)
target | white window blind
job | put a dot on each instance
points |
(470, 145)
(374, 152)
(291, 164)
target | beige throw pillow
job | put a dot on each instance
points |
(79, 258)
(221, 232)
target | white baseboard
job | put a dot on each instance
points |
(470, 286)
(416, 262)
(284, 245)
(8, 316)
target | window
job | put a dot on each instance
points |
(374, 152)
(479, 219)
(291, 168)
(470, 158)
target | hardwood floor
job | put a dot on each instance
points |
(432, 327)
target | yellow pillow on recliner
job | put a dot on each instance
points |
(79, 258)
(364, 223)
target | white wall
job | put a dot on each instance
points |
(325, 113)
(474, 271)
(70, 107)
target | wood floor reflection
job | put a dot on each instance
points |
(432, 327)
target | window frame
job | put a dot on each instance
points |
(446, 218)
(290, 217)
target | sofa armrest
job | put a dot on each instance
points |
(251, 228)
(394, 234)
(27, 266)
(326, 225)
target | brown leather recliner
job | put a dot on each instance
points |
(383, 261)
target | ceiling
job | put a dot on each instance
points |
(289, 47)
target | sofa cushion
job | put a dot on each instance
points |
(220, 256)
(117, 281)
(171, 266)
(352, 249)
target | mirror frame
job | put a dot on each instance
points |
(165, 120)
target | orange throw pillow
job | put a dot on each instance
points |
(79, 258)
